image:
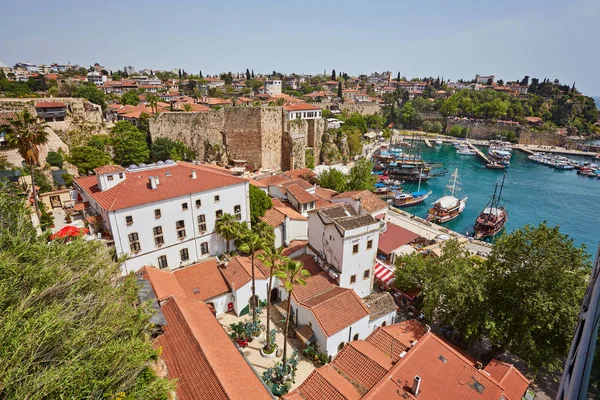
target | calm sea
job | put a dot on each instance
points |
(532, 193)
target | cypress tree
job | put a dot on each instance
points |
(333, 75)
(247, 74)
(252, 74)
(398, 79)
(179, 73)
(340, 94)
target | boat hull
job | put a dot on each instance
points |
(482, 231)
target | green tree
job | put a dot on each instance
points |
(90, 92)
(168, 149)
(86, 158)
(536, 279)
(410, 117)
(130, 98)
(291, 274)
(129, 144)
(340, 93)
(41, 181)
(272, 259)
(67, 346)
(153, 100)
(27, 134)
(360, 177)
(99, 142)
(251, 244)
(38, 83)
(55, 159)
(259, 203)
(356, 121)
(226, 227)
(353, 138)
(333, 179)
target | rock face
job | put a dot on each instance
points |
(254, 134)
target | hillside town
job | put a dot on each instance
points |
(247, 223)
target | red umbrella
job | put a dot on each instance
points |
(69, 231)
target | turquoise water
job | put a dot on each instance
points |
(532, 193)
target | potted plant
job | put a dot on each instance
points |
(270, 347)
(253, 329)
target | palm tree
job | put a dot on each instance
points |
(153, 102)
(227, 228)
(27, 133)
(187, 107)
(271, 258)
(251, 244)
(265, 231)
(291, 273)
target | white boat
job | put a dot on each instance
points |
(438, 141)
(448, 207)
(502, 157)
(465, 151)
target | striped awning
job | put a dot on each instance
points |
(384, 273)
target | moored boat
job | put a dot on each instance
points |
(465, 151)
(438, 141)
(500, 156)
(448, 207)
(493, 217)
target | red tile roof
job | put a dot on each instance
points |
(273, 217)
(108, 169)
(362, 364)
(289, 211)
(336, 309)
(368, 200)
(300, 107)
(50, 104)
(326, 383)
(301, 195)
(202, 358)
(324, 193)
(394, 237)
(297, 181)
(274, 180)
(300, 173)
(238, 271)
(315, 285)
(295, 245)
(134, 190)
(514, 382)
(444, 372)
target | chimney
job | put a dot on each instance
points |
(193, 174)
(416, 385)
(153, 182)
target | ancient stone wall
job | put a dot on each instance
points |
(541, 139)
(314, 139)
(293, 151)
(243, 133)
(484, 131)
(272, 122)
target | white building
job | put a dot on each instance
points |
(164, 215)
(273, 87)
(347, 243)
(302, 111)
(96, 78)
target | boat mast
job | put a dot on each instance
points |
(454, 181)
(501, 187)
(420, 175)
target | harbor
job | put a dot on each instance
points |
(533, 193)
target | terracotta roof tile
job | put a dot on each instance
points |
(273, 217)
(336, 309)
(301, 195)
(290, 212)
(368, 200)
(238, 271)
(202, 358)
(324, 193)
(398, 337)
(300, 173)
(295, 245)
(202, 281)
(445, 373)
(134, 190)
(274, 180)
(300, 107)
(50, 104)
(107, 169)
(511, 379)
(362, 364)
(163, 282)
(315, 285)
(326, 383)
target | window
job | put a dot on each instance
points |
(353, 279)
(180, 226)
(198, 203)
(355, 249)
(184, 254)
(341, 346)
(369, 244)
(355, 337)
(129, 220)
(134, 242)
(366, 274)
(204, 248)
(201, 223)
(237, 210)
(120, 175)
(184, 206)
(219, 214)
(110, 178)
(217, 199)
(158, 235)
(384, 323)
(162, 262)
(157, 213)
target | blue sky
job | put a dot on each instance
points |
(454, 39)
